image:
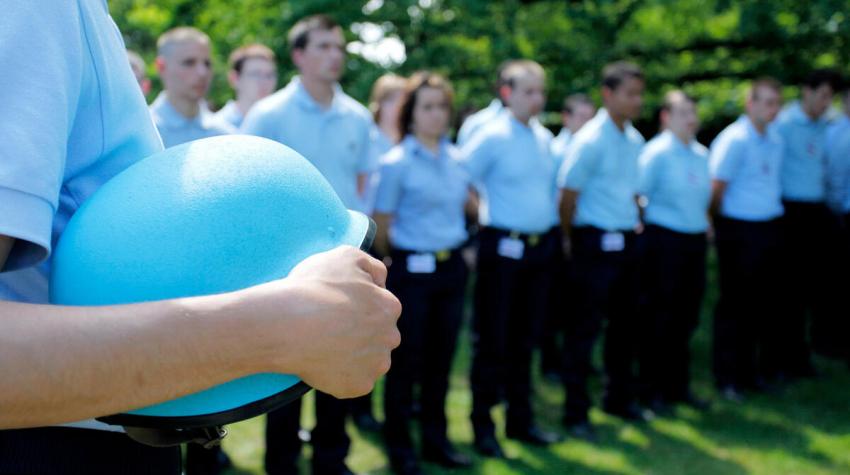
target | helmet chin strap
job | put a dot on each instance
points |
(208, 437)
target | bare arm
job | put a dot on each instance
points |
(5, 248)
(470, 208)
(329, 322)
(382, 236)
(362, 181)
(718, 187)
(567, 210)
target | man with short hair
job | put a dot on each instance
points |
(745, 162)
(675, 183)
(578, 110)
(313, 116)
(477, 120)
(509, 160)
(184, 65)
(599, 216)
(253, 76)
(807, 229)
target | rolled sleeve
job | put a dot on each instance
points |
(39, 90)
(476, 157)
(647, 171)
(388, 194)
(725, 159)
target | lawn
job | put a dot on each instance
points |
(801, 429)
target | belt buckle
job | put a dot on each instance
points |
(443, 255)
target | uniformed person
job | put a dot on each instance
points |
(510, 162)
(599, 215)
(676, 186)
(745, 161)
(419, 210)
(808, 232)
(184, 65)
(833, 342)
(578, 109)
(137, 64)
(252, 75)
(313, 116)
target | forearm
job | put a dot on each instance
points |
(61, 364)
(567, 211)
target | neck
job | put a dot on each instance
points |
(684, 137)
(389, 128)
(521, 119)
(618, 120)
(431, 142)
(758, 125)
(244, 105)
(321, 91)
(186, 107)
(809, 113)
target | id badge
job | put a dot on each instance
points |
(613, 242)
(511, 248)
(421, 263)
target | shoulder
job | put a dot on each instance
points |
(734, 133)
(656, 147)
(278, 103)
(699, 149)
(352, 107)
(634, 136)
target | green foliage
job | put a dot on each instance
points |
(708, 47)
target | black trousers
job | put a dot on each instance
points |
(560, 298)
(809, 243)
(329, 439)
(510, 304)
(747, 343)
(673, 284)
(606, 285)
(432, 306)
(51, 450)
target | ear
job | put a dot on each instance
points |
(146, 86)
(606, 94)
(297, 55)
(505, 93)
(232, 78)
(160, 65)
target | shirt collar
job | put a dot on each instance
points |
(796, 114)
(415, 148)
(603, 115)
(170, 117)
(677, 142)
(306, 101)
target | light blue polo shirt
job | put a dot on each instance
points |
(335, 140)
(425, 192)
(73, 117)
(602, 166)
(838, 164)
(675, 180)
(749, 163)
(230, 114)
(175, 128)
(512, 168)
(803, 171)
(476, 121)
(560, 144)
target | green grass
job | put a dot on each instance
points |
(803, 429)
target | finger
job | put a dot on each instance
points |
(375, 268)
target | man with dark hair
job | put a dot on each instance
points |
(599, 216)
(807, 230)
(253, 76)
(509, 160)
(316, 118)
(578, 109)
(476, 121)
(745, 161)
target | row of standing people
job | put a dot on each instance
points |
(557, 216)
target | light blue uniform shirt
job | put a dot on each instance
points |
(334, 139)
(602, 166)
(73, 117)
(511, 165)
(838, 164)
(803, 171)
(476, 121)
(175, 128)
(559, 146)
(425, 193)
(230, 114)
(674, 178)
(749, 163)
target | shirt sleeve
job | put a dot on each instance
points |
(41, 54)
(388, 194)
(837, 167)
(725, 158)
(648, 169)
(257, 122)
(477, 156)
(578, 166)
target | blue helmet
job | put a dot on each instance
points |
(210, 216)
